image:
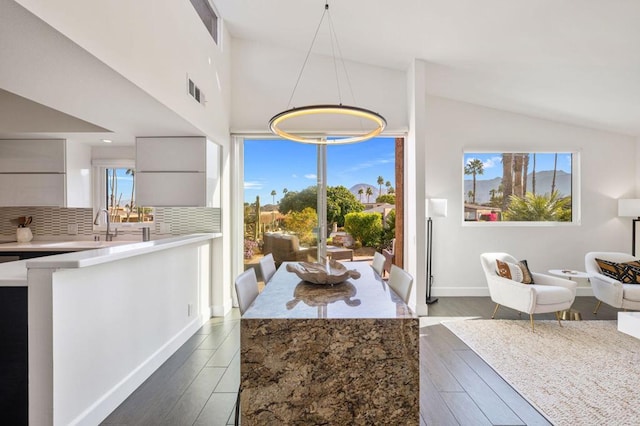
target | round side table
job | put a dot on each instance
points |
(570, 314)
(568, 273)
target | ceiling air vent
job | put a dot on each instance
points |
(195, 92)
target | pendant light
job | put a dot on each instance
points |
(375, 121)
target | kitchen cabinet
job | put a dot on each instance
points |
(37, 189)
(32, 156)
(32, 172)
(44, 172)
(177, 172)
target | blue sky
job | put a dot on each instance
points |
(277, 164)
(492, 163)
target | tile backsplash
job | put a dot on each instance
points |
(54, 221)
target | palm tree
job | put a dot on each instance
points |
(507, 179)
(533, 175)
(380, 183)
(360, 192)
(391, 190)
(284, 192)
(539, 208)
(517, 175)
(273, 212)
(525, 171)
(474, 167)
(369, 193)
(388, 185)
(132, 172)
(555, 167)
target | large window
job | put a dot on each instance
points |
(281, 184)
(518, 187)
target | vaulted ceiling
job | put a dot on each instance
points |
(571, 61)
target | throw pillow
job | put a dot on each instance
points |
(527, 277)
(609, 269)
(509, 270)
(629, 272)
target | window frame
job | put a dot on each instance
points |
(99, 168)
(576, 215)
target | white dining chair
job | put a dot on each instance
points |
(246, 289)
(267, 267)
(378, 263)
(400, 281)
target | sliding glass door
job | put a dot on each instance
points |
(312, 202)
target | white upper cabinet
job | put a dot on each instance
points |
(177, 172)
(32, 172)
(32, 156)
(171, 154)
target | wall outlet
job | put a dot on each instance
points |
(164, 228)
(72, 229)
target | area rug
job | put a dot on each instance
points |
(583, 373)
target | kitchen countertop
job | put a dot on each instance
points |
(77, 245)
(13, 274)
(83, 254)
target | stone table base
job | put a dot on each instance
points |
(330, 371)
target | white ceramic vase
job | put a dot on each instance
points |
(24, 235)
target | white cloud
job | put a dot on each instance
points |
(370, 164)
(310, 176)
(253, 185)
(489, 162)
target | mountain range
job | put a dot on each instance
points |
(543, 185)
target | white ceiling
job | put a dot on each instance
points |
(572, 61)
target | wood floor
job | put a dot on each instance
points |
(198, 384)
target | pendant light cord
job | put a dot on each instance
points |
(315, 36)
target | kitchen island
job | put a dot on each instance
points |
(101, 321)
(342, 354)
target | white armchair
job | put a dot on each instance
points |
(607, 289)
(547, 294)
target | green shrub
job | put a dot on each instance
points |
(302, 224)
(365, 228)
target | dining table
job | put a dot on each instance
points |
(329, 354)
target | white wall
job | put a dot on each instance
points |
(264, 77)
(608, 172)
(155, 48)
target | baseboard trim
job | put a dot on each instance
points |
(223, 309)
(104, 406)
(484, 291)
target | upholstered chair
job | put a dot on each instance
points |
(400, 281)
(267, 267)
(246, 289)
(378, 263)
(607, 289)
(545, 294)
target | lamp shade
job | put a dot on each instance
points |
(629, 207)
(436, 207)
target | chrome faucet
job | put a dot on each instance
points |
(108, 236)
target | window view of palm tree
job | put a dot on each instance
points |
(120, 197)
(518, 187)
(281, 198)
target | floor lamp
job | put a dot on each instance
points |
(435, 207)
(630, 208)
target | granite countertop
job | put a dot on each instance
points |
(287, 296)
